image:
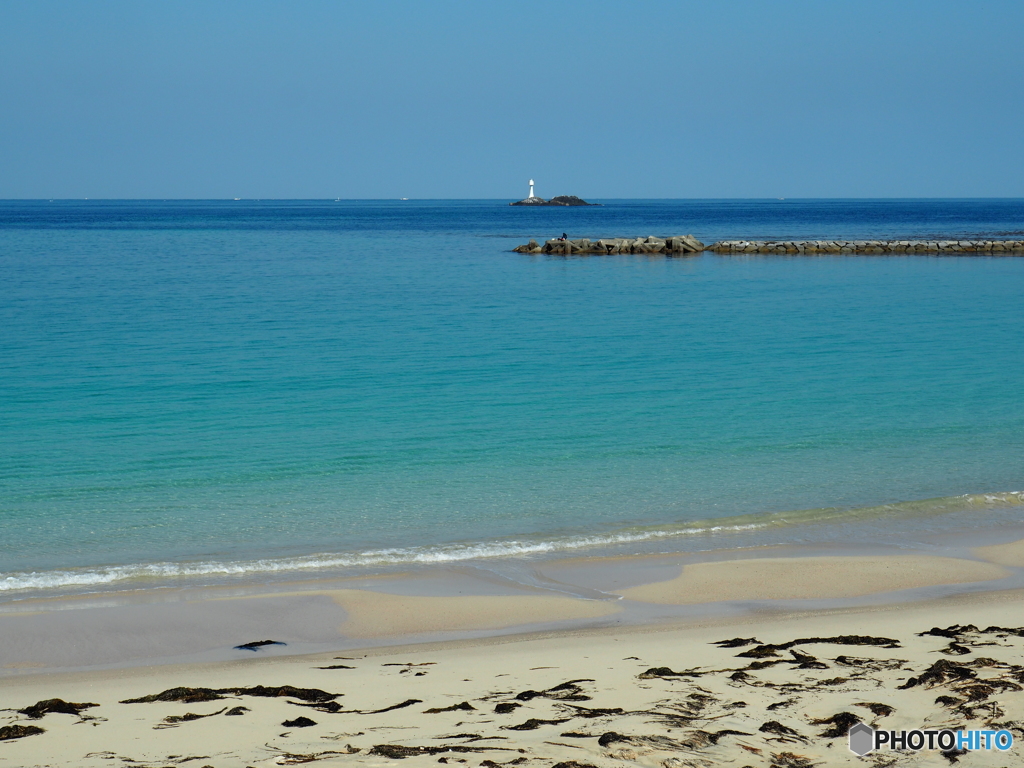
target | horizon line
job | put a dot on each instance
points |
(442, 199)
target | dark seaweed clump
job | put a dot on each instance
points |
(184, 695)
(299, 722)
(197, 695)
(567, 691)
(664, 672)
(464, 706)
(940, 672)
(47, 706)
(533, 724)
(737, 642)
(763, 651)
(188, 717)
(334, 707)
(881, 710)
(257, 644)
(398, 751)
(839, 724)
(9, 732)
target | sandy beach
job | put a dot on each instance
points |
(355, 413)
(541, 680)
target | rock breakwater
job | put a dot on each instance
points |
(868, 246)
(690, 244)
(652, 244)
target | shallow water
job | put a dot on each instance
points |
(251, 388)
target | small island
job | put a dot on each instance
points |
(532, 199)
(560, 200)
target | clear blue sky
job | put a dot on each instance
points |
(469, 99)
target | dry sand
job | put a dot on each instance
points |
(666, 697)
(660, 696)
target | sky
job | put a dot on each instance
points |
(469, 99)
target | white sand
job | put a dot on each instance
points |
(662, 718)
(771, 699)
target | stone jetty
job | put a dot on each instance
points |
(948, 247)
(690, 244)
(652, 244)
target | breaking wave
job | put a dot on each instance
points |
(141, 574)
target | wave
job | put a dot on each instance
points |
(142, 574)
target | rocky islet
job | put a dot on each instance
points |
(557, 200)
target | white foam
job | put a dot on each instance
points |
(141, 573)
(100, 576)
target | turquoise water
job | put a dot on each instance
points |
(255, 388)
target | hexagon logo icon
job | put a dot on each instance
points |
(862, 739)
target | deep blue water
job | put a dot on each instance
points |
(255, 386)
(708, 219)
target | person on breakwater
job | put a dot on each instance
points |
(564, 237)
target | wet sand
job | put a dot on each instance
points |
(637, 680)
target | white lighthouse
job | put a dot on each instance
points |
(531, 190)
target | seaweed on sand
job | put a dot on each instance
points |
(533, 724)
(664, 672)
(784, 732)
(790, 760)
(292, 758)
(464, 706)
(594, 712)
(399, 751)
(257, 644)
(47, 706)
(942, 671)
(184, 695)
(839, 724)
(189, 717)
(9, 732)
(567, 691)
(334, 707)
(879, 710)
(737, 642)
(198, 695)
(764, 651)
(306, 694)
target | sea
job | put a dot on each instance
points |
(209, 392)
